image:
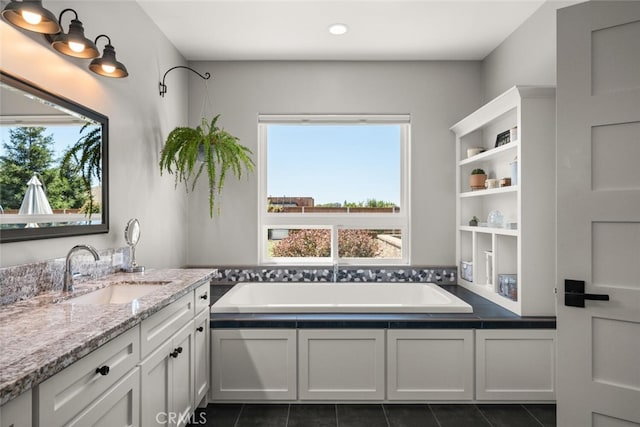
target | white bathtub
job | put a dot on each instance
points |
(275, 297)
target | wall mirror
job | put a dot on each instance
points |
(53, 164)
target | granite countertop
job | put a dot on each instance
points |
(41, 336)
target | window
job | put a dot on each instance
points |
(334, 189)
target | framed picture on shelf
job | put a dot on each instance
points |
(503, 138)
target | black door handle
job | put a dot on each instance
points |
(574, 295)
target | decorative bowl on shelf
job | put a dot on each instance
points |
(473, 151)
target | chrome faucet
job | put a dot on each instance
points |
(68, 275)
(335, 272)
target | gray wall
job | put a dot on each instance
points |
(139, 120)
(436, 94)
(527, 56)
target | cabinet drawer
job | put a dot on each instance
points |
(118, 407)
(63, 396)
(159, 327)
(203, 297)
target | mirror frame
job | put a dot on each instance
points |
(22, 234)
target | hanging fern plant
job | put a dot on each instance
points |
(218, 150)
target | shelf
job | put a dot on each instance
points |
(488, 192)
(490, 154)
(532, 111)
(490, 230)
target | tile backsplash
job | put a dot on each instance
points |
(26, 281)
(345, 274)
(21, 282)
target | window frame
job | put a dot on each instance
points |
(335, 221)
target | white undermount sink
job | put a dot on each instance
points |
(118, 293)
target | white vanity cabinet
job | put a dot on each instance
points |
(17, 412)
(104, 385)
(174, 369)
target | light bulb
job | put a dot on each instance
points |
(338, 29)
(31, 18)
(108, 68)
(76, 47)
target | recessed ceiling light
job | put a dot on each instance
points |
(338, 29)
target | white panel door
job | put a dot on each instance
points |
(598, 199)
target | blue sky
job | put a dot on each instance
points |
(63, 137)
(334, 163)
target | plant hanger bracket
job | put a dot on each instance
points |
(163, 86)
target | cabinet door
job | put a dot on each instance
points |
(17, 412)
(429, 364)
(117, 407)
(516, 364)
(156, 387)
(182, 375)
(341, 364)
(201, 351)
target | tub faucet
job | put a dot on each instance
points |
(68, 275)
(335, 272)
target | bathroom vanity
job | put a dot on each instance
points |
(72, 361)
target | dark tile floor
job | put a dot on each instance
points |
(375, 415)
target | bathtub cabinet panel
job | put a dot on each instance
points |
(339, 364)
(430, 364)
(515, 364)
(253, 364)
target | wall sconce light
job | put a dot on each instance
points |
(163, 86)
(74, 43)
(30, 15)
(108, 66)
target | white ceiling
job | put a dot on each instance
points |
(297, 29)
